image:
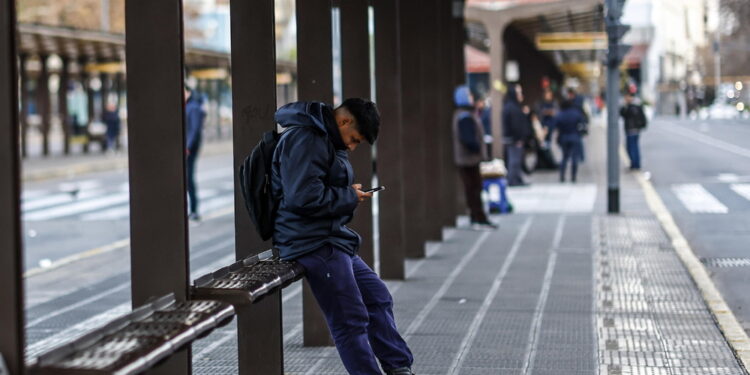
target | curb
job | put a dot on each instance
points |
(731, 329)
(114, 164)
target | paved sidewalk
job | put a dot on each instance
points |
(560, 288)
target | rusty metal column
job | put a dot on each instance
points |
(315, 77)
(355, 77)
(430, 115)
(260, 334)
(388, 92)
(448, 176)
(413, 153)
(158, 223)
(62, 103)
(24, 115)
(43, 102)
(12, 339)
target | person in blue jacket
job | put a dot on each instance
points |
(568, 124)
(194, 118)
(516, 131)
(313, 182)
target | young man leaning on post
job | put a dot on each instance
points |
(313, 182)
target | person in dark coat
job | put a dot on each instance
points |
(111, 118)
(634, 121)
(546, 111)
(485, 115)
(516, 131)
(468, 152)
(577, 101)
(313, 182)
(195, 115)
(568, 126)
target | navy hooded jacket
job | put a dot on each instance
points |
(194, 116)
(311, 179)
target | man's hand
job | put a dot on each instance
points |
(361, 195)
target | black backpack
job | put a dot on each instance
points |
(255, 182)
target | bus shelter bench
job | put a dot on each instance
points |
(137, 341)
(247, 281)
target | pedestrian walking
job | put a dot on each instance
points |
(516, 130)
(195, 115)
(546, 111)
(312, 180)
(111, 118)
(634, 121)
(468, 136)
(485, 115)
(579, 103)
(569, 138)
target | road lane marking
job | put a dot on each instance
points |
(698, 200)
(50, 200)
(541, 304)
(468, 340)
(696, 136)
(730, 327)
(77, 208)
(742, 189)
(75, 257)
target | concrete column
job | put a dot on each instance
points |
(259, 327)
(496, 80)
(62, 104)
(12, 340)
(446, 52)
(156, 110)
(355, 76)
(43, 102)
(413, 154)
(23, 117)
(315, 76)
(431, 123)
(390, 143)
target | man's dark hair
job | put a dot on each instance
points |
(367, 116)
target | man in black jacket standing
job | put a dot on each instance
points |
(312, 180)
(634, 120)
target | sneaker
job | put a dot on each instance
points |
(484, 225)
(400, 371)
(194, 217)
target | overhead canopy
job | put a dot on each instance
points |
(96, 46)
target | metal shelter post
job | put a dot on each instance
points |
(390, 146)
(62, 103)
(615, 55)
(413, 178)
(355, 76)
(23, 117)
(12, 339)
(158, 223)
(446, 52)
(315, 77)
(259, 335)
(431, 122)
(43, 102)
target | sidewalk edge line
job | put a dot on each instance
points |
(78, 256)
(735, 336)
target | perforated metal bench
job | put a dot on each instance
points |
(247, 281)
(138, 340)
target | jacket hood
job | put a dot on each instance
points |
(314, 114)
(462, 97)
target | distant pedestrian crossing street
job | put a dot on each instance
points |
(95, 200)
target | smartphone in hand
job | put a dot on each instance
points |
(379, 188)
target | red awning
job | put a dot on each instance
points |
(476, 61)
(635, 56)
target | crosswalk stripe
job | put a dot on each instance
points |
(60, 198)
(78, 207)
(123, 211)
(698, 200)
(742, 189)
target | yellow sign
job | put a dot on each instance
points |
(571, 41)
(109, 67)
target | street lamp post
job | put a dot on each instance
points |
(616, 53)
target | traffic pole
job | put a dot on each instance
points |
(615, 54)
